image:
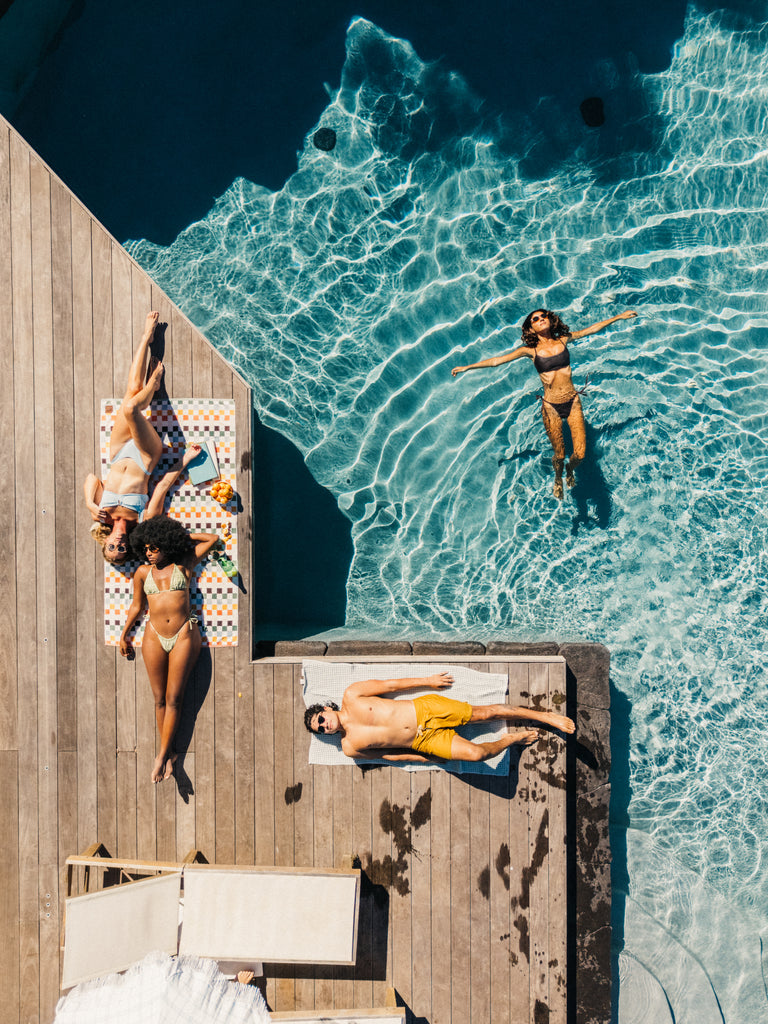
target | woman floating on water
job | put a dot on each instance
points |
(545, 340)
(122, 500)
(171, 640)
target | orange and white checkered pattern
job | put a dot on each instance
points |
(213, 596)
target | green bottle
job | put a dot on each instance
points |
(228, 567)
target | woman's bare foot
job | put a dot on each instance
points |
(170, 764)
(150, 325)
(158, 769)
(557, 465)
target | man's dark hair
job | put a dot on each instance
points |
(317, 709)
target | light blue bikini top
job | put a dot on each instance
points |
(178, 581)
(130, 451)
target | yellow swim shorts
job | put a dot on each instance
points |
(438, 718)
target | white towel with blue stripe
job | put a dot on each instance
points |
(324, 682)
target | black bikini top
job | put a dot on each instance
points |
(544, 364)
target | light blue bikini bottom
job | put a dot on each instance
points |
(135, 502)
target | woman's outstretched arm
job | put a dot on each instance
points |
(167, 480)
(627, 315)
(134, 610)
(494, 360)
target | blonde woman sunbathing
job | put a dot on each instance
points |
(122, 500)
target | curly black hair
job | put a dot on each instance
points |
(164, 533)
(557, 328)
(317, 709)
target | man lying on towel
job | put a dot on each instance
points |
(421, 729)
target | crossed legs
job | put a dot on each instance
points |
(465, 750)
(129, 423)
(168, 674)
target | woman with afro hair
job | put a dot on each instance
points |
(545, 340)
(171, 640)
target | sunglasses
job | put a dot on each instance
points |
(151, 547)
(539, 316)
(321, 724)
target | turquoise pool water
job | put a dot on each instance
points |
(420, 243)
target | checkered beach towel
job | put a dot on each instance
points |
(326, 681)
(213, 596)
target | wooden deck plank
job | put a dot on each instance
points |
(538, 849)
(8, 579)
(380, 872)
(519, 900)
(343, 985)
(9, 890)
(86, 552)
(245, 754)
(557, 860)
(45, 585)
(224, 741)
(322, 792)
(150, 820)
(421, 883)
(283, 717)
(362, 838)
(26, 637)
(301, 796)
(400, 893)
(66, 483)
(440, 862)
(461, 884)
(480, 894)
(502, 801)
(264, 777)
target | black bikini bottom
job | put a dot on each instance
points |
(563, 409)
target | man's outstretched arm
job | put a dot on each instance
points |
(376, 687)
(381, 755)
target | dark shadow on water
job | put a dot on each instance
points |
(621, 793)
(591, 495)
(302, 544)
(235, 88)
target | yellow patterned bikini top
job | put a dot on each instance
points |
(178, 581)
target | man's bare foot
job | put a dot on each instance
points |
(559, 722)
(150, 325)
(557, 490)
(525, 737)
(170, 764)
(570, 479)
(158, 769)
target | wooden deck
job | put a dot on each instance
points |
(464, 904)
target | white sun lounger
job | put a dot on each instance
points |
(244, 915)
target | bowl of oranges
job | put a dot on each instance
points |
(222, 491)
